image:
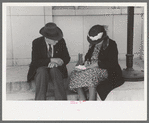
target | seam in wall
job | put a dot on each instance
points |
(13, 56)
(44, 15)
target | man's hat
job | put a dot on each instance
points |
(51, 31)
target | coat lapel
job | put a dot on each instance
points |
(105, 44)
(56, 50)
(43, 48)
(104, 49)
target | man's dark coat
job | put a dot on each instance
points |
(40, 58)
(108, 59)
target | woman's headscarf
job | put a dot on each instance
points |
(96, 34)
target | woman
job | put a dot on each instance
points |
(102, 72)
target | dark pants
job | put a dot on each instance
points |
(43, 76)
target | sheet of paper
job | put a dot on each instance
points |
(82, 67)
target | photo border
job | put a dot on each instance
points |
(87, 1)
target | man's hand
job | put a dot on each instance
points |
(52, 64)
(58, 61)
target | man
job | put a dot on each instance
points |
(49, 59)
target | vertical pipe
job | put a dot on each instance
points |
(129, 73)
(130, 26)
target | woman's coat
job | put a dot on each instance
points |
(108, 59)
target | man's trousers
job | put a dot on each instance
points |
(45, 75)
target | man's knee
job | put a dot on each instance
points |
(42, 70)
(54, 70)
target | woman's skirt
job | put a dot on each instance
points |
(87, 78)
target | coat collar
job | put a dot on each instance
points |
(105, 43)
(43, 41)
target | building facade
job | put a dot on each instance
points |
(24, 22)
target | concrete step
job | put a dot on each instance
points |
(129, 91)
(26, 91)
(18, 89)
(22, 86)
(19, 73)
(129, 95)
(30, 96)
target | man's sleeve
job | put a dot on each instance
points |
(37, 60)
(65, 55)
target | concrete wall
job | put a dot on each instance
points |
(24, 23)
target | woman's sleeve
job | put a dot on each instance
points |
(112, 60)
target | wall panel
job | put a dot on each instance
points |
(24, 30)
(137, 35)
(23, 25)
(27, 10)
(48, 14)
(72, 27)
(120, 34)
(48, 19)
(9, 41)
(24, 22)
(48, 10)
(8, 10)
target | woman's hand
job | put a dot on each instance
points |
(77, 69)
(92, 65)
(87, 63)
